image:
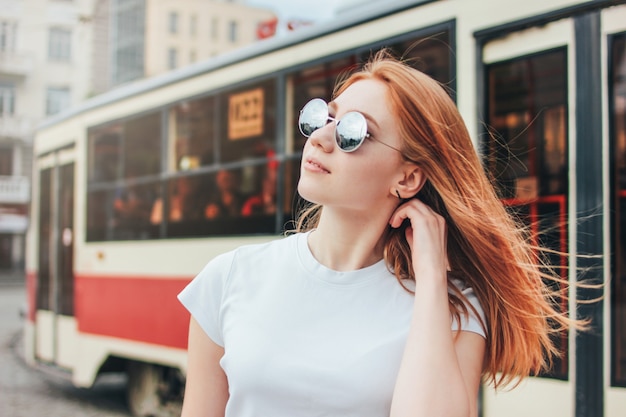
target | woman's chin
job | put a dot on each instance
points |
(309, 194)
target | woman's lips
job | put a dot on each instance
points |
(315, 166)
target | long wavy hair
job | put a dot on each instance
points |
(488, 249)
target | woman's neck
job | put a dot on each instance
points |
(347, 242)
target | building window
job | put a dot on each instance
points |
(173, 22)
(617, 91)
(6, 161)
(8, 31)
(172, 58)
(128, 40)
(232, 31)
(7, 100)
(60, 44)
(193, 25)
(215, 25)
(57, 100)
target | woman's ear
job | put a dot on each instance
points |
(412, 181)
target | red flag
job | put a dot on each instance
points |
(266, 29)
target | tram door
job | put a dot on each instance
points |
(527, 114)
(55, 277)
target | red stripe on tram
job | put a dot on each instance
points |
(139, 309)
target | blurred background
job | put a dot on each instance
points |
(141, 138)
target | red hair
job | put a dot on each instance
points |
(487, 248)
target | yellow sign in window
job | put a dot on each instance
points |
(245, 114)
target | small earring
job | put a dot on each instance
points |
(398, 194)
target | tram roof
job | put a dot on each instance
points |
(355, 15)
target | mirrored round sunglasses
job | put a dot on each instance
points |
(350, 129)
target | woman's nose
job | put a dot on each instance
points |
(324, 137)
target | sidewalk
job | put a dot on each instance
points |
(11, 277)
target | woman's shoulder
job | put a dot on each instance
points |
(280, 245)
(247, 257)
(255, 254)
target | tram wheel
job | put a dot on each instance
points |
(143, 390)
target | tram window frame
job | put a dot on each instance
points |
(516, 138)
(251, 157)
(118, 196)
(617, 126)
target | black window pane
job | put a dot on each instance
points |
(121, 213)
(65, 240)
(142, 146)
(618, 129)
(526, 151)
(192, 132)
(238, 201)
(44, 239)
(429, 54)
(105, 153)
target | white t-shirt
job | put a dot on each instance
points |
(300, 339)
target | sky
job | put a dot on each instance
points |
(315, 10)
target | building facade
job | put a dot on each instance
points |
(42, 72)
(142, 38)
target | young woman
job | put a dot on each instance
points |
(406, 282)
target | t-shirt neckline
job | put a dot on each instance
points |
(344, 278)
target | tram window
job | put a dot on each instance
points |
(429, 54)
(249, 127)
(226, 202)
(183, 201)
(98, 206)
(527, 150)
(192, 132)
(105, 153)
(618, 121)
(142, 146)
(121, 213)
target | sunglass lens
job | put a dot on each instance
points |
(351, 131)
(314, 115)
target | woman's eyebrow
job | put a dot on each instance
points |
(370, 119)
(333, 106)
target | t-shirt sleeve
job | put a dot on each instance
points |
(472, 322)
(202, 297)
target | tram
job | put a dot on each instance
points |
(136, 189)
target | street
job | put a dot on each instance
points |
(27, 392)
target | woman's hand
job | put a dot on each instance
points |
(426, 234)
(436, 365)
